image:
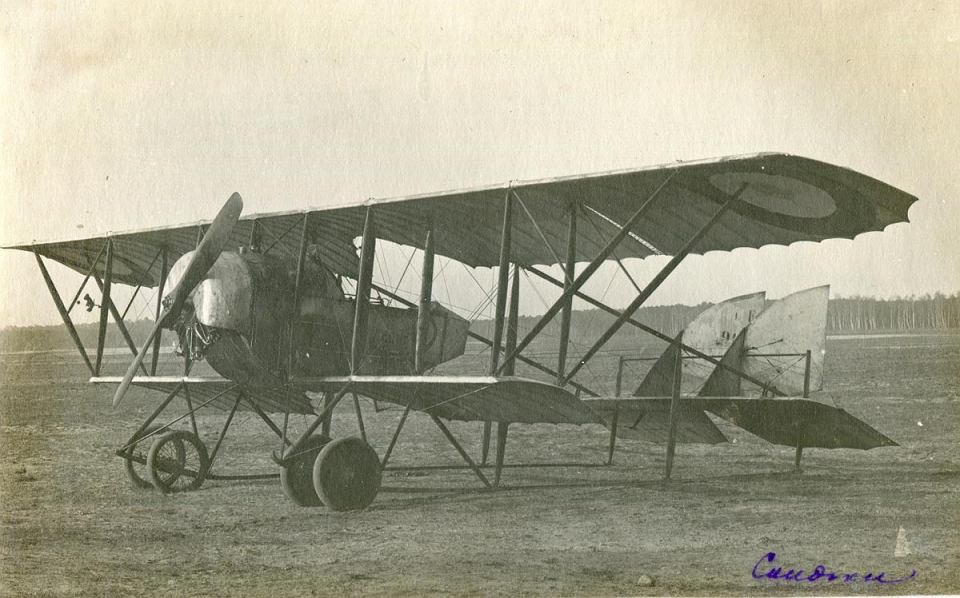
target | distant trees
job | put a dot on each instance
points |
(845, 314)
(856, 314)
(56, 337)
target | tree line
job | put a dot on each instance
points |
(845, 314)
(856, 314)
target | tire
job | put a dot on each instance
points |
(177, 462)
(136, 471)
(346, 474)
(296, 477)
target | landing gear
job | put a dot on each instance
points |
(343, 474)
(135, 458)
(346, 474)
(177, 462)
(296, 476)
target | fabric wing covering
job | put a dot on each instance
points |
(470, 398)
(786, 199)
(223, 393)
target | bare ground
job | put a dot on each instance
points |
(70, 524)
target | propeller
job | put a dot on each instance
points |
(211, 246)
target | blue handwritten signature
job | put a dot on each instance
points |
(820, 573)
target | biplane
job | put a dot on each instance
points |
(284, 306)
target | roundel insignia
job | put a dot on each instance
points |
(777, 194)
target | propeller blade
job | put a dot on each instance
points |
(211, 246)
(135, 364)
(213, 243)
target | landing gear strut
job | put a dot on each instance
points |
(136, 457)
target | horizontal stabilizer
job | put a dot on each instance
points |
(790, 422)
(649, 420)
(798, 422)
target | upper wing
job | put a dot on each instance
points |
(788, 199)
(469, 398)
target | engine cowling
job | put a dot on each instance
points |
(224, 298)
(237, 315)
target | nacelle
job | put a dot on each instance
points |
(241, 318)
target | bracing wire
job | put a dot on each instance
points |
(593, 376)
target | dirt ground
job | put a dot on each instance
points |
(71, 524)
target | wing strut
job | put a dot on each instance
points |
(655, 283)
(591, 268)
(156, 341)
(568, 274)
(674, 407)
(503, 273)
(510, 369)
(105, 305)
(64, 314)
(297, 292)
(117, 318)
(423, 315)
(426, 296)
(367, 252)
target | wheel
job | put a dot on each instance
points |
(177, 462)
(297, 476)
(346, 474)
(135, 467)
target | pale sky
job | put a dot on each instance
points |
(125, 115)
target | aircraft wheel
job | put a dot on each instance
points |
(297, 476)
(177, 462)
(136, 470)
(346, 474)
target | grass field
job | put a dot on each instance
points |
(70, 524)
